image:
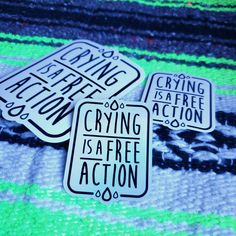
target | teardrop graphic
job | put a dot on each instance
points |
(122, 105)
(181, 76)
(106, 195)
(108, 54)
(114, 106)
(115, 195)
(98, 194)
(16, 111)
(106, 104)
(115, 58)
(174, 123)
(24, 116)
(101, 50)
(10, 104)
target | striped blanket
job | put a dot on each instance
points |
(193, 189)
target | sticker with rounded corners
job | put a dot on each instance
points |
(109, 156)
(42, 95)
(181, 101)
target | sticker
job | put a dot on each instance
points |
(180, 101)
(42, 96)
(109, 156)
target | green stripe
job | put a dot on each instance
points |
(33, 38)
(20, 218)
(186, 57)
(226, 92)
(37, 51)
(209, 220)
(227, 3)
(13, 62)
(26, 50)
(202, 2)
(226, 8)
(218, 76)
(174, 56)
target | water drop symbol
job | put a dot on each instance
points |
(16, 111)
(106, 104)
(174, 123)
(106, 195)
(108, 54)
(98, 194)
(122, 105)
(24, 116)
(101, 50)
(10, 104)
(115, 195)
(114, 105)
(115, 58)
(181, 76)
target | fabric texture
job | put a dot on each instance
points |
(193, 190)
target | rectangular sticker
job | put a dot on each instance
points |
(109, 156)
(42, 96)
(181, 101)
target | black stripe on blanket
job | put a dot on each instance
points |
(201, 32)
(176, 158)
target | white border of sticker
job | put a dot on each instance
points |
(71, 153)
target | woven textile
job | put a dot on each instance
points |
(193, 189)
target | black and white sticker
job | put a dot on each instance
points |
(181, 101)
(42, 96)
(109, 156)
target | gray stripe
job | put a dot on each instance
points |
(171, 190)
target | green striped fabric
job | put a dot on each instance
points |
(22, 53)
(226, 6)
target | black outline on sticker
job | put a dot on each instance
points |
(149, 87)
(73, 148)
(3, 99)
(44, 58)
(46, 133)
